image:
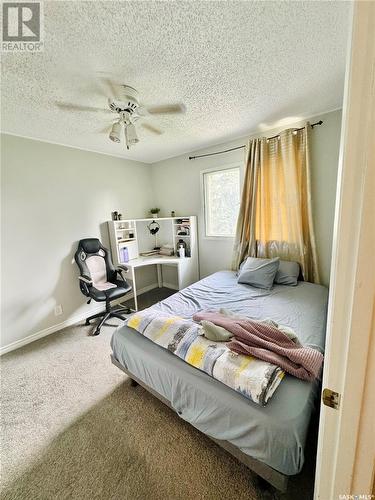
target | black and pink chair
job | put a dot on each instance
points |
(100, 280)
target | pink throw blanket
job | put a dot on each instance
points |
(266, 342)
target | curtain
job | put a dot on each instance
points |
(275, 218)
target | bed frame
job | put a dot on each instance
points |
(272, 476)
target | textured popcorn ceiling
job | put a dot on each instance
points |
(235, 65)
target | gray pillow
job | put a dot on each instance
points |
(259, 272)
(287, 273)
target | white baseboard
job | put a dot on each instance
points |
(68, 322)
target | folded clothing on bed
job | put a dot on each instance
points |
(289, 332)
(215, 332)
(265, 341)
(254, 378)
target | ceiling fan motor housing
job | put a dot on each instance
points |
(128, 100)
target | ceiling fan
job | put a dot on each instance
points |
(124, 101)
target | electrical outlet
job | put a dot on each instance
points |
(58, 310)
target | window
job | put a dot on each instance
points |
(221, 189)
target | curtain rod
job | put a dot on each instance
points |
(244, 146)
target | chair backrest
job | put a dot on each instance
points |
(94, 261)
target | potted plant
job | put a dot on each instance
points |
(155, 212)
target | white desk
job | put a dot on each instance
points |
(134, 234)
(183, 270)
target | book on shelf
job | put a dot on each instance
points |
(149, 253)
(165, 250)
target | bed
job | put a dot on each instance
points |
(270, 440)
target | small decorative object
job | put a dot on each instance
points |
(119, 216)
(131, 235)
(155, 212)
(173, 213)
(181, 249)
(115, 215)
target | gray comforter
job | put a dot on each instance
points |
(274, 434)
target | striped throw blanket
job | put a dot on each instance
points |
(253, 378)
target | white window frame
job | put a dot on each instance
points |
(229, 166)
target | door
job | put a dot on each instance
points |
(342, 466)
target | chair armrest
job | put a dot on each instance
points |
(120, 270)
(85, 279)
(85, 283)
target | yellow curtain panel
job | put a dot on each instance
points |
(275, 217)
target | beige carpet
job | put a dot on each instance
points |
(73, 427)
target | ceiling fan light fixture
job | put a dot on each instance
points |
(124, 101)
(115, 134)
(131, 135)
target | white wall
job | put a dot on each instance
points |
(325, 145)
(176, 184)
(52, 196)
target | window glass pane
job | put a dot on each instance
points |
(222, 200)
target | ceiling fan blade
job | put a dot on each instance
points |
(111, 89)
(166, 109)
(66, 106)
(152, 129)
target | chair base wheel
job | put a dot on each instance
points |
(95, 333)
(87, 322)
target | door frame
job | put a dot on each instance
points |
(346, 444)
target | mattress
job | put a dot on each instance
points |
(274, 434)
